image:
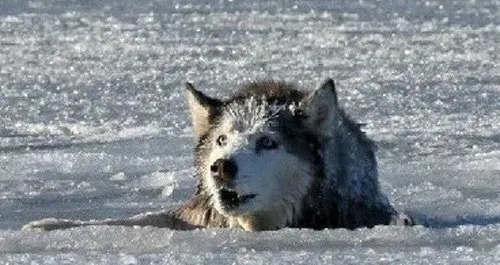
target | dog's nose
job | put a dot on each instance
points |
(224, 170)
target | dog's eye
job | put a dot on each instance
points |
(222, 140)
(267, 143)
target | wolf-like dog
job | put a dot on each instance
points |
(273, 156)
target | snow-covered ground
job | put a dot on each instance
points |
(93, 122)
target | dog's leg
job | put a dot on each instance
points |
(49, 224)
(195, 213)
(157, 219)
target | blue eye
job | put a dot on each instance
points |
(222, 140)
(266, 143)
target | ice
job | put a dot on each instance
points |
(416, 245)
(93, 122)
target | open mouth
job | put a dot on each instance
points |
(231, 199)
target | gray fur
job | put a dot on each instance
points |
(344, 192)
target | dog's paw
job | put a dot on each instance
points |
(403, 220)
(49, 224)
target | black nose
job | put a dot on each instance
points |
(224, 170)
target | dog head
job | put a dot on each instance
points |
(258, 156)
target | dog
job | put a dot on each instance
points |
(273, 156)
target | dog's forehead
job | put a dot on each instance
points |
(255, 115)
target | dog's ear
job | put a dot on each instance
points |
(321, 109)
(202, 108)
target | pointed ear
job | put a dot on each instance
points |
(202, 109)
(321, 109)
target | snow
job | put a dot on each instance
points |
(390, 245)
(93, 122)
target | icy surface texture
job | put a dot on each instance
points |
(93, 122)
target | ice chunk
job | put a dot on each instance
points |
(118, 177)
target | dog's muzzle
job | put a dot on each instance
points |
(224, 172)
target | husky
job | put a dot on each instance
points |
(273, 156)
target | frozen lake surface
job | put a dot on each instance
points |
(93, 122)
